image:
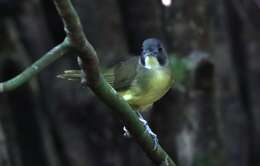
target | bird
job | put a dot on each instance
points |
(141, 80)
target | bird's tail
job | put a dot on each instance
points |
(71, 75)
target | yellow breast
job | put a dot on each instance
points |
(149, 88)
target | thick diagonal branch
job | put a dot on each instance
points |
(102, 89)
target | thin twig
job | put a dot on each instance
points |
(36, 67)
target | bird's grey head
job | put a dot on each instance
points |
(153, 53)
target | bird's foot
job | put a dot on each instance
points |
(149, 131)
(126, 132)
(83, 80)
(165, 162)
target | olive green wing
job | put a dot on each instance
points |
(122, 75)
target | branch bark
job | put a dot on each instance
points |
(95, 80)
(77, 41)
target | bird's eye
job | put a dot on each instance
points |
(160, 49)
(161, 60)
(142, 60)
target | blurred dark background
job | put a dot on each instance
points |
(214, 121)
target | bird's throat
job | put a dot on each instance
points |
(151, 62)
